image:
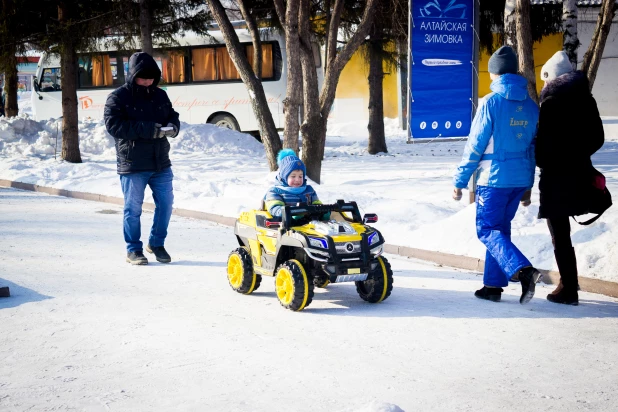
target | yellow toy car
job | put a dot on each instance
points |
(301, 252)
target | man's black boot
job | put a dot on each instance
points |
(493, 294)
(160, 253)
(137, 258)
(528, 277)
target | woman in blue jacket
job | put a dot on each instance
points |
(501, 147)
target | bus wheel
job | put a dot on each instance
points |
(226, 121)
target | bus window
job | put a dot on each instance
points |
(203, 64)
(267, 59)
(225, 65)
(98, 70)
(172, 66)
(51, 81)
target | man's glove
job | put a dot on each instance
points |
(173, 132)
(457, 194)
(525, 199)
(158, 133)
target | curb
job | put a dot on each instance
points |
(586, 284)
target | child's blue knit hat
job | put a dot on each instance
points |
(288, 162)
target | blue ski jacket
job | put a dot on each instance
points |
(277, 197)
(501, 140)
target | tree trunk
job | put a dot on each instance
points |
(377, 140)
(145, 26)
(314, 126)
(11, 108)
(68, 69)
(9, 60)
(327, 6)
(570, 41)
(524, 47)
(292, 102)
(510, 26)
(268, 130)
(593, 56)
(255, 38)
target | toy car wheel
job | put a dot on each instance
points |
(294, 288)
(240, 272)
(379, 283)
(321, 281)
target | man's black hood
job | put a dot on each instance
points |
(143, 63)
(573, 84)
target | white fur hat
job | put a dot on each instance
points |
(558, 65)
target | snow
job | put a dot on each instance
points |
(84, 330)
(224, 172)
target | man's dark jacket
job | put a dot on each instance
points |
(131, 112)
(570, 131)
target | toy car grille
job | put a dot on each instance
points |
(348, 247)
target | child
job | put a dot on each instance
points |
(291, 187)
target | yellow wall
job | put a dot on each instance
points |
(353, 84)
(542, 50)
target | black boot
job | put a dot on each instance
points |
(493, 294)
(528, 277)
(137, 258)
(567, 265)
(160, 253)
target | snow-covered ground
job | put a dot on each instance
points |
(86, 331)
(225, 172)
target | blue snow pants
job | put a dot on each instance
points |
(495, 208)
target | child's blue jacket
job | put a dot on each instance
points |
(501, 140)
(277, 197)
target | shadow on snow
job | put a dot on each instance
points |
(19, 295)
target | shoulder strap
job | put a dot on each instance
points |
(589, 221)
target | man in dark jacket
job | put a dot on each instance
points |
(570, 131)
(140, 117)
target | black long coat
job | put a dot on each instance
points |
(131, 112)
(570, 131)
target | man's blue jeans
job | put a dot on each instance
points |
(133, 187)
(495, 208)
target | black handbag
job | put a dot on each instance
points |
(599, 198)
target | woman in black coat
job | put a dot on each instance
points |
(570, 130)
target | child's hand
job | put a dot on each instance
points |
(457, 194)
(525, 199)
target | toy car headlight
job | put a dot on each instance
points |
(373, 238)
(317, 242)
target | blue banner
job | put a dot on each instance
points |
(442, 64)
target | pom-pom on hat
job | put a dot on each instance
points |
(288, 162)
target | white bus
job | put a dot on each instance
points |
(198, 76)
